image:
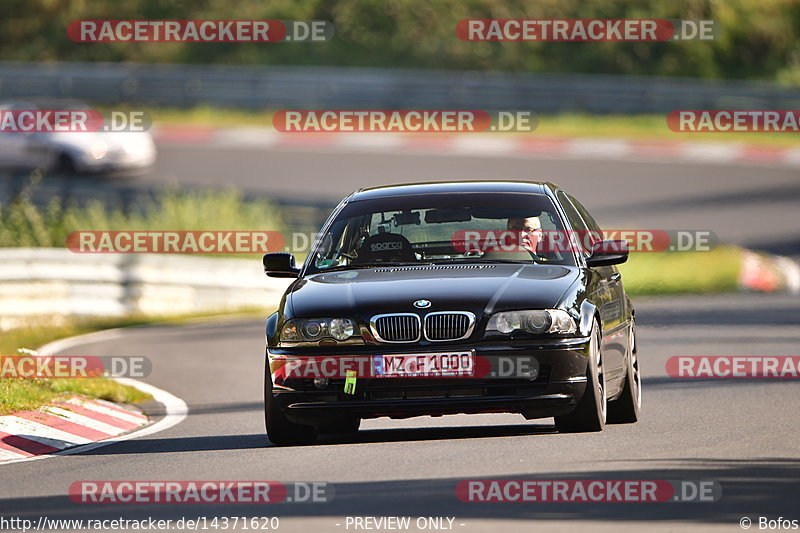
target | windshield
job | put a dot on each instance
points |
(439, 228)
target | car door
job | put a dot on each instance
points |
(24, 150)
(615, 314)
(12, 149)
(606, 294)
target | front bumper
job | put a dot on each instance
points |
(118, 160)
(554, 389)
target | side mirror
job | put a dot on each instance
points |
(608, 253)
(280, 265)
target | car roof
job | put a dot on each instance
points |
(453, 187)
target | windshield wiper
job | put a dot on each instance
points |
(362, 266)
(479, 260)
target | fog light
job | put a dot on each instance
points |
(321, 383)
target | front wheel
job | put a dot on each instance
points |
(66, 164)
(628, 407)
(590, 413)
(280, 430)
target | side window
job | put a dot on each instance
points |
(585, 214)
(574, 217)
(595, 232)
(576, 221)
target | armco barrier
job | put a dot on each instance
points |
(275, 87)
(48, 281)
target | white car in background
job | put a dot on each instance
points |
(74, 152)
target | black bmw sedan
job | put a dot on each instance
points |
(445, 298)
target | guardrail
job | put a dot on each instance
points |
(49, 281)
(253, 87)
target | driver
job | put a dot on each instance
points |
(530, 229)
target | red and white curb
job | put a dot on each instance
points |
(483, 145)
(62, 425)
(74, 424)
(769, 273)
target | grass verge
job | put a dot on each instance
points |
(29, 394)
(683, 272)
(25, 224)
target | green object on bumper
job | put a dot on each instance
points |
(350, 382)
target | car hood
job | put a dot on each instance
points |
(479, 288)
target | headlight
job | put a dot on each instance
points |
(538, 321)
(314, 329)
(342, 328)
(98, 150)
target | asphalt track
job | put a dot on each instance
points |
(751, 205)
(741, 433)
(747, 204)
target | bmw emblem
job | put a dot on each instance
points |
(422, 304)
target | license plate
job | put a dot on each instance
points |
(443, 364)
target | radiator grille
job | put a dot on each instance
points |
(397, 328)
(448, 326)
(439, 326)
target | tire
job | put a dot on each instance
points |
(66, 165)
(281, 431)
(628, 407)
(590, 413)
